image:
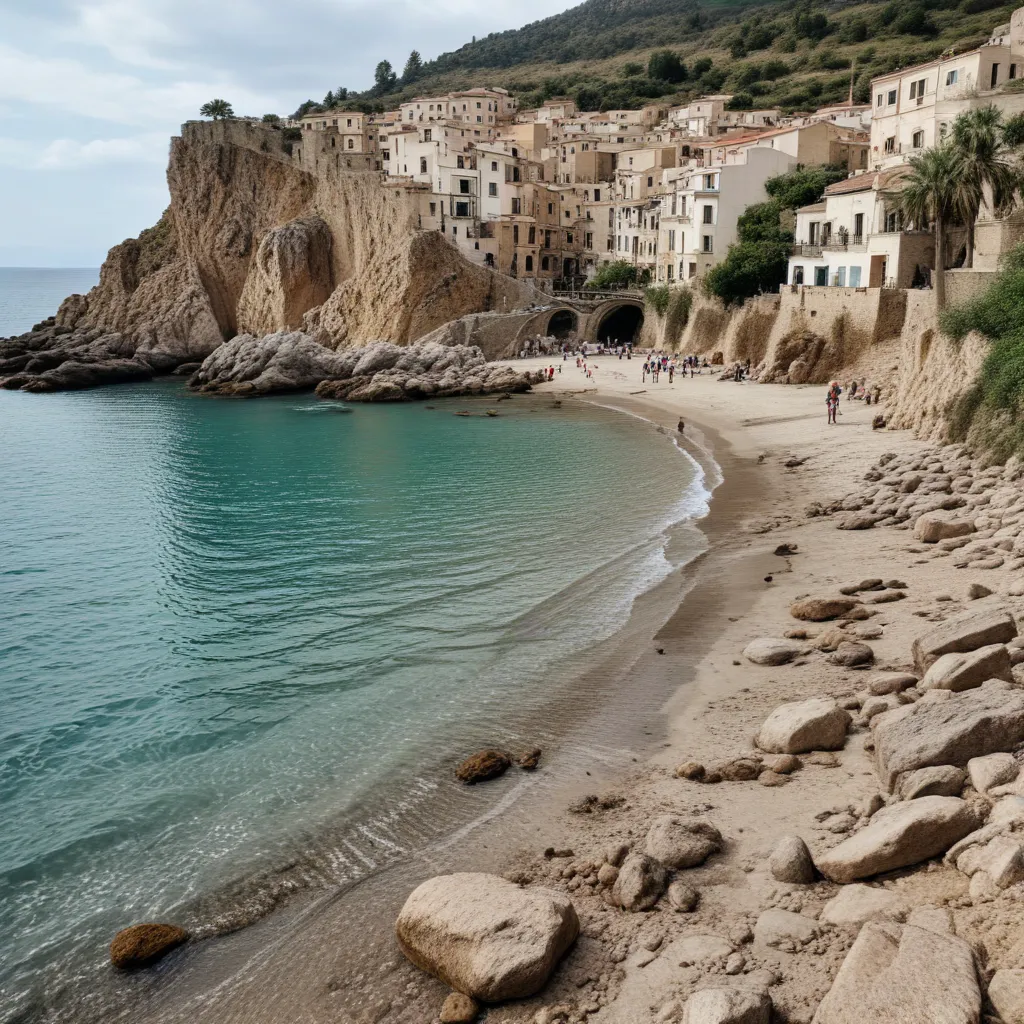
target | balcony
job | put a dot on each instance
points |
(812, 252)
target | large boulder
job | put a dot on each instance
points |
(935, 526)
(902, 974)
(992, 770)
(939, 780)
(1006, 994)
(820, 609)
(802, 726)
(682, 842)
(900, 835)
(483, 765)
(485, 936)
(641, 882)
(728, 1006)
(952, 731)
(143, 944)
(964, 633)
(965, 671)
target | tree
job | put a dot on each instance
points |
(701, 66)
(632, 68)
(758, 262)
(588, 97)
(666, 66)
(217, 109)
(1013, 131)
(384, 77)
(802, 187)
(982, 158)
(928, 193)
(271, 119)
(328, 100)
(413, 67)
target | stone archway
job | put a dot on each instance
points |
(563, 323)
(620, 324)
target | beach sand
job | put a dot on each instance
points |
(673, 687)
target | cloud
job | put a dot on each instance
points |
(71, 154)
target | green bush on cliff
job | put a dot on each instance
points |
(991, 413)
(755, 264)
(617, 274)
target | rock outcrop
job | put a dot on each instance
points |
(253, 243)
(249, 366)
(143, 944)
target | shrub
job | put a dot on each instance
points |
(678, 315)
(617, 274)
(657, 299)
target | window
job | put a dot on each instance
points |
(913, 90)
(529, 263)
(854, 277)
(709, 214)
(707, 243)
(952, 77)
(433, 209)
(460, 162)
(1013, 71)
(516, 206)
(544, 263)
(568, 238)
(427, 134)
(798, 275)
(423, 165)
(464, 186)
(821, 275)
(515, 234)
(671, 269)
(492, 188)
(589, 242)
(532, 235)
(858, 227)
(597, 195)
(841, 277)
(890, 144)
(462, 209)
(650, 181)
(890, 98)
(479, 118)
(919, 140)
(995, 76)
(709, 182)
(349, 122)
(547, 239)
(671, 241)
(551, 208)
(878, 99)
(351, 144)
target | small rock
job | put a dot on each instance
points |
(959, 672)
(693, 770)
(779, 927)
(851, 654)
(786, 764)
(735, 964)
(682, 842)
(771, 651)
(803, 726)
(487, 764)
(683, 897)
(791, 861)
(459, 1009)
(820, 609)
(143, 944)
(977, 591)
(607, 874)
(1006, 994)
(940, 780)
(992, 770)
(640, 884)
(891, 682)
(770, 779)
(529, 760)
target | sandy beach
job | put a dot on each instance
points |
(673, 687)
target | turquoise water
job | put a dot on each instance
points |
(243, 641)
(31, 294)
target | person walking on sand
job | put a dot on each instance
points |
(830, 404)
(671, 371)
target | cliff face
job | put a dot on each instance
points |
(253, 243)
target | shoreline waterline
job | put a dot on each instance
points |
(458, 810)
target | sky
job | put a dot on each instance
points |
(91, 92)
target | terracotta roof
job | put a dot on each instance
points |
(813, 208)
(880, 180)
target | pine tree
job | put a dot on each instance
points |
(413, 67)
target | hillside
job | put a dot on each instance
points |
(793, 56)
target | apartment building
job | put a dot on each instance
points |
(478, 107)
(856, 238)
(820, 142)
(701, 207)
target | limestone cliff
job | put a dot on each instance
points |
(254, 243)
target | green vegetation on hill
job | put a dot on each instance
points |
(610, 54)
(991, 413)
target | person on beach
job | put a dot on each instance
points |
(671, 371)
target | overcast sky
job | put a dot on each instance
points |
(91, 91)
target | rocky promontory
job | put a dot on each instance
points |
(249, 366)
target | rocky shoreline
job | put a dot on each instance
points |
(896, 892)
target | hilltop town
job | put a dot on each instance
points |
(550, 195)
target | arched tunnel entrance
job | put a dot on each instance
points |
(622, 325)
(562, 324)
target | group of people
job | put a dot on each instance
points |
(660, 363)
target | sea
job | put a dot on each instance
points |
(243, 643)
(30, 294)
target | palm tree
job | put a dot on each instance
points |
(217, 109)
(983, 163)
(929, 192)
